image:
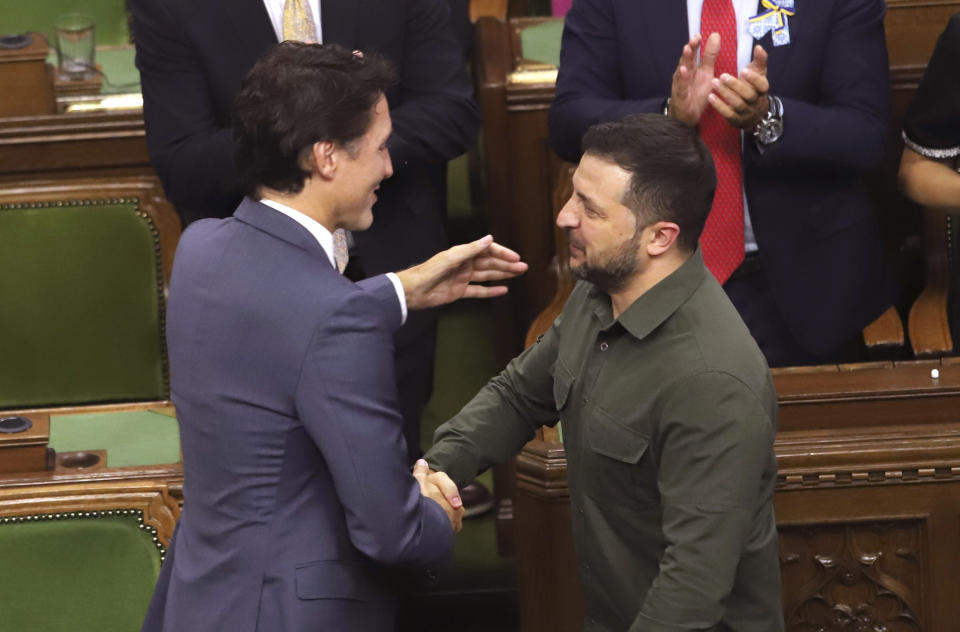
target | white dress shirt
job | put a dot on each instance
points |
(275, 10)
(743, 9)
(325, 238)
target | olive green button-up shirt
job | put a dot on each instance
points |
(669, 416)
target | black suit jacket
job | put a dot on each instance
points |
(193, 55)
(818, 236)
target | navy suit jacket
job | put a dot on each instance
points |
(818, 236)
(297, 491)
(192, 58)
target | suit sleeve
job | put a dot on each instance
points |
(502, 417)
(189, 147)
(845, 123)
(437, 118)
(589, 84)
(713, 446)
(347, 401)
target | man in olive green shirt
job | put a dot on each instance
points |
(667, 404)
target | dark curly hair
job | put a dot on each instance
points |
(297, 95)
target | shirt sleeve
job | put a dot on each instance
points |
(502, 417)
(932, 123)
(401, 295)
(712, 448)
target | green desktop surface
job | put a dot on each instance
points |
(131, 439)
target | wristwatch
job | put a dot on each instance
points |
(770, 128)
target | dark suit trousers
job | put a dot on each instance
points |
(748, 290)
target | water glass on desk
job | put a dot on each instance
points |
(75, 40)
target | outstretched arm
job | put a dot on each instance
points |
(452, 274)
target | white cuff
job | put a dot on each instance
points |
(401, 296)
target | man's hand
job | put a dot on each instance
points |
(442, 496)
(742, 100)
(450, 275)
(692, 81)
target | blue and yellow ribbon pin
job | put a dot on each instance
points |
(773, 19)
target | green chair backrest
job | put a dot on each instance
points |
(77, 572)
(81, 304)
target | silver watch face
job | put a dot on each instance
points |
(769, 130)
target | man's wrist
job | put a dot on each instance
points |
(770, 128)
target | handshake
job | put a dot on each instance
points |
(438, 487)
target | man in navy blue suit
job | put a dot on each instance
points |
(298, 496)
(803, 87)
(192, 57)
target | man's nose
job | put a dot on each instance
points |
(567, 217)
(389, 167)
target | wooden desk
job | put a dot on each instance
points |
(79, 468)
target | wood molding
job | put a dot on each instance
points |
(150, 497)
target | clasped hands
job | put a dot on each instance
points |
(741, 101)
(438, 487)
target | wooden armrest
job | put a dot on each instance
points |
(492, 8)
(885, 331)
(928, 322)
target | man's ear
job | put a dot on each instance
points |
(663, 235)
(323, 159)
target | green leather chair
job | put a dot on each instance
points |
(82, 557)
(81, 302)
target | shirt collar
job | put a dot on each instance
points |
(323, 236)
(658, 303)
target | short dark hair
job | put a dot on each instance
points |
(297, 95)
(673, 178)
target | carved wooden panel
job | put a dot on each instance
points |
(864, 577)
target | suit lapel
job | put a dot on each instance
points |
(339, 22)
(251, 24)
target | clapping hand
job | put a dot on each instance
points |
(742, 101)
(693, 80)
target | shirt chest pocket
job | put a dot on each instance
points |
(617, 463)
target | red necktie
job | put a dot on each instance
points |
(722, 238)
